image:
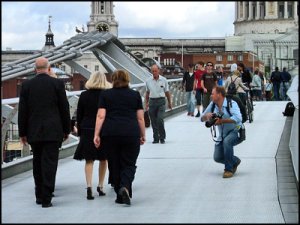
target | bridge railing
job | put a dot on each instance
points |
(17, 158)
(293, 93)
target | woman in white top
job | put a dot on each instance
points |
(256, 86)
(240, 87)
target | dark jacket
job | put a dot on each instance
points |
(188, 81)
(44, 113)
(87, 110)
(121, 106)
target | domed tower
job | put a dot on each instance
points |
(267, 29)
(102, 17)
(49, 38)
(265, 17)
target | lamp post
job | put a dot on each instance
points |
(181, 53)
(253, 58)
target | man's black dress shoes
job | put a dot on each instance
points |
(38, 201)
(47, 205)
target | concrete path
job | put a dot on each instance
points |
(177, 182)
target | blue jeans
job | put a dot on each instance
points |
(190, 101)
(224, 151)
(276, 87)
(284, 86)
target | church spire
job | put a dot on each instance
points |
(49, 38)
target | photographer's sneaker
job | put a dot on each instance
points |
(235, 167)
(227, 174)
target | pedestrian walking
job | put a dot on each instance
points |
(120, 121)
(188, 86)
(44, 122)
(86, 119)
(157, 89)
(208, 81)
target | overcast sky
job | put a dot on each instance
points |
(24, 24)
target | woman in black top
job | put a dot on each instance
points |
(120, 120)
(86, 118)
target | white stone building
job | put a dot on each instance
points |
(269, 29)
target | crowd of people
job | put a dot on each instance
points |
(110, 120)
(261, 87)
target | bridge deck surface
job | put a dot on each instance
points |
(177, 182)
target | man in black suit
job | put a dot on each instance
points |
(44, 123)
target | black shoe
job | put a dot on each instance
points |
(38, 201)
(100, 191)
(125, 196)
(47, 205)
(162, 141)
(155, 142)
(235, 167)
(198, 114)
(119, 200)
(89, 194)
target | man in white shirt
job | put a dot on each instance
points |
(157, 88)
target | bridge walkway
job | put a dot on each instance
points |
(175, 182)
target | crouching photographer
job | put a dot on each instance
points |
(228, 123)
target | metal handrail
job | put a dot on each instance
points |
(11, 108)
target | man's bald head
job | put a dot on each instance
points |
(42, 65)
(155, 71)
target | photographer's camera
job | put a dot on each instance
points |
(213, 119)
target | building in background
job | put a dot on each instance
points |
(270, 30)
(266, 35)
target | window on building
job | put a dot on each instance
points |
(218, 58)
(138, 55)
(81, 85)
(85, 66)
(280, 9)
(253, 10)
(102, 7)
(230, 58)
(241, 9)
(97, 68)
(63, 68)
(262, 10)
(290, 9)
(296, 56)
(240, 58)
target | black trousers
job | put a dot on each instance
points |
(122, 154)
(45, 160)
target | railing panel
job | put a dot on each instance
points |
(10, 111)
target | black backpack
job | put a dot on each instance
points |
(242, 130)
(229, 105)
(232, 88)
(289, 109)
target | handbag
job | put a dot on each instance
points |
(241, 134)
(146, 118)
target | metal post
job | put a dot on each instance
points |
(252, 62)
(181, 53)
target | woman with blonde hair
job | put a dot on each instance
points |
(86, 118)
(120, 120)
(237, 80)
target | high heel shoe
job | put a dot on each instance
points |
(89, 194)
(100, 190)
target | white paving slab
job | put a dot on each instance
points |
(177, 182)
